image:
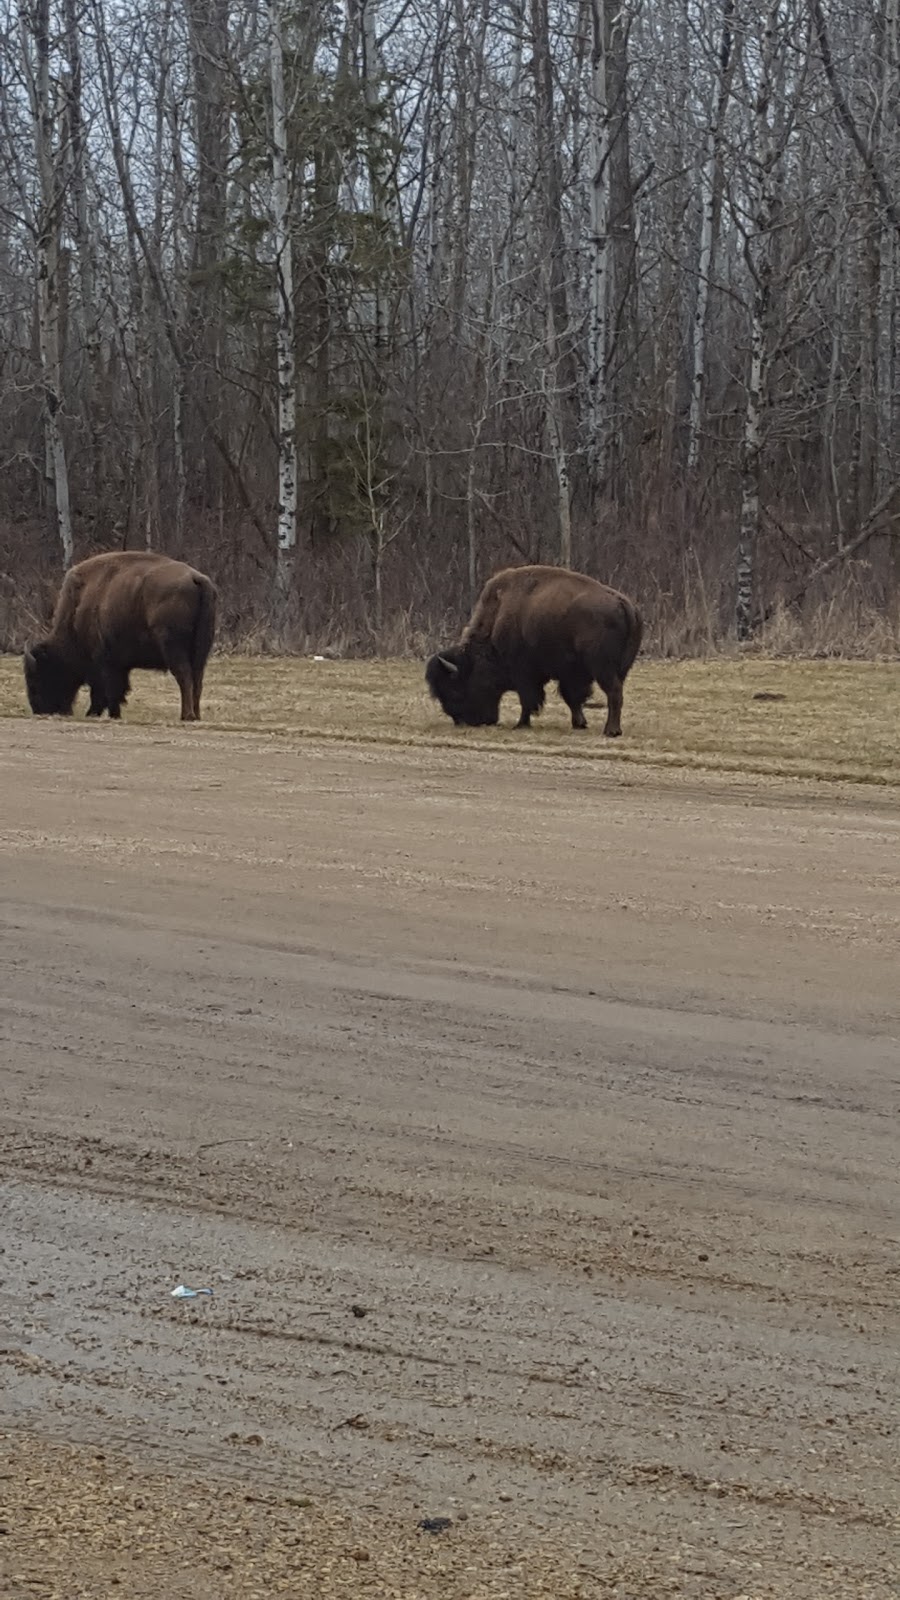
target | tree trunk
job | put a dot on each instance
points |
(556, 378)
(178, 452)
(557, 432)
(623, 286)
(35, 38)
(371, 83)
(209, 44)
(869, 281)
(284, 313)
(887, 311)
(509, 252)
(470, 78)
(831, 482)
(549, 175)
(759, 260)
(710, 185)
(598, 337)
(481, 392)
(90, 315)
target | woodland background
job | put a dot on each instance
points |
(352, 303)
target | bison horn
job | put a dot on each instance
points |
(29, 658)
(450, 665)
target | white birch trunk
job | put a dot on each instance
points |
(370, 75)
(598, 166)
(552, 267)
(84, 238)
(503, 305)
(887, 339)
(869, 279)
(760, 258)
(556, 429)
(35, 32)
(709, 207)
(749, 521)
(830, 471)
(178, 451)
(436, 244)
(482, 396)
(284, 311)
(887, 336)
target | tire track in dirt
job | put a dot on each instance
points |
(602, 1150)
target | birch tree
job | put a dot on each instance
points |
(889, 120)
(284, 311)
(758, 255)
(362, 19)
(711, 175)
(623, 279)
(50, 158)
(208, 25)
(515, 278)
(552, 271)
(599, 298)
(85, 242)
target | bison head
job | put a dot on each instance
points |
(465, 685)
(50, 683)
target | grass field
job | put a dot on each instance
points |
(837, 720)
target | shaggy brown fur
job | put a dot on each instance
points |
(532, 625)
(116, 612)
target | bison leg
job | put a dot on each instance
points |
(198, 690)
(109, 692)
(575, 689)
(183, 673)
(612, 688)
(531, 696)
(178, 661)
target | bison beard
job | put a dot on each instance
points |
(532, 625)
(115, 613)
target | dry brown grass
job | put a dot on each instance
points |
(838, 720)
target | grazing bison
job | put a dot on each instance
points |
(530, 625)
(115, 612)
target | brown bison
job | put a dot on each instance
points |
(530, 625)
(116, 612)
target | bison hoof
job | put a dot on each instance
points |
(612, 733)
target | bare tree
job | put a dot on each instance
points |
(711, 179)
(284, 309)
(600, 123)
(556, 372)
(208, 25)
(759, 259)
(584, 282)
(44, 95)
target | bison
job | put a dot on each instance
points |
(530, 625)
(116, 612)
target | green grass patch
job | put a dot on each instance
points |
(837, 720)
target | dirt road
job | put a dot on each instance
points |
(535, 1126)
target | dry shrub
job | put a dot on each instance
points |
(842, 625)
(681, 574)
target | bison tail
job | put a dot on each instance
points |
(204, 623)
(634, 633)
